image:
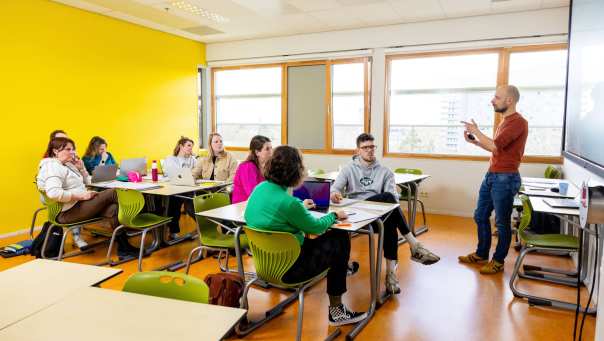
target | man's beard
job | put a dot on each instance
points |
(370, 159)
(500, 110)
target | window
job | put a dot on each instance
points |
(540, 76)
(252, 100)
(348, 100)
(247, 102)
(429, 94)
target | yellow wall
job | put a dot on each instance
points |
(88, 74)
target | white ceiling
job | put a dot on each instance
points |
(249, 19)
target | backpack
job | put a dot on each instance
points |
(52, 245)
(225, 289)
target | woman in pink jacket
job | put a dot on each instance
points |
(249, 173)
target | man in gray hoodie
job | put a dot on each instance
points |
(365, 179)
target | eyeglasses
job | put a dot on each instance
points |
(372, 147)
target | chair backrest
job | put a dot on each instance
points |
(54, 208)
(274, 253)
(408, 171)
(130, 204)
(525, 220)
(551, 172)
(317, 171)
(167, 284)
(206, 202)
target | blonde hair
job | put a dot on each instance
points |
(210, 149)
(181, 142)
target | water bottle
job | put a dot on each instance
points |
(154, 171)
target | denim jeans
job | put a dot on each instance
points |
(496, 192)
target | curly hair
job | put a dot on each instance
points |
(58, 143)
(285, 168)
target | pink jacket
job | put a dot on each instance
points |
(246, 179)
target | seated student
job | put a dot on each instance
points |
(182, 157)
(219, 164)
(272, 208)
(97, 154)
(364, 178)
(249, 172)
(63, 178)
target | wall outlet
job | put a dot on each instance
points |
(423, 194)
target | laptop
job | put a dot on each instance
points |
(318, 191)
(182, 177)
(133, 165)
(103, 173)
(562, 203)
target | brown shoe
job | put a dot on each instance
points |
(491, 268)
(472, 258)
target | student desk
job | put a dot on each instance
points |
(235, 213)
(33, 286)
(95, 314)
(540, 187)
(411, 181)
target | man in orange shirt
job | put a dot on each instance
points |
(502, 181)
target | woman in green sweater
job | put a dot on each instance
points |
(271, 208)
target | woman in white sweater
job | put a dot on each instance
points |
(63, 178)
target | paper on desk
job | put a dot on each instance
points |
(367, 206)
(343, 202)
(355, 216)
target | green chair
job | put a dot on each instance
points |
(407, 193)
(210, 236)
(538, 243)
(552, 172)
(274, 254)
(167, 284)
(54, 209)
(130, 204)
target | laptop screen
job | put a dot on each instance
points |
(318, 191)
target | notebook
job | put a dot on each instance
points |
(318, 191)
(562, 203)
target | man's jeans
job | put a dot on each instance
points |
(496, 192)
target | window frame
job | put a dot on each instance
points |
(328, 148)
(502, 79)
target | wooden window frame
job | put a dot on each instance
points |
(502, 79)
(328, 148)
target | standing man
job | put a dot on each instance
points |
(502, 181)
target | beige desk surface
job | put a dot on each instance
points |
(95, 314)
(398, 178)
(167, 189)
(540, 206)
(32, 286)
(235, 213)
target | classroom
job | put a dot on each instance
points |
(302, 170)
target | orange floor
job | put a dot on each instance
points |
(444, 301)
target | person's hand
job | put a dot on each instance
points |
(104, 157)
(341, 215)
(308, 203)
(335, 197)
(85, 196)
(471, 127)
(466, 136)
(79, 164)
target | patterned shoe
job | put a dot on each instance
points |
(422, 255)
(472, 258)
(340, 315)
(491, 268)
(392, 285)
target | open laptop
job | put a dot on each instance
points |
(182, 177)
(103, 173)
(318, 191)
(133, 165)
(562, 203)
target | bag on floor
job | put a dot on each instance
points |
(226, 289)
(543, 223)
(17, 249)
(52, 245)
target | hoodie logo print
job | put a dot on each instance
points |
(366, 181)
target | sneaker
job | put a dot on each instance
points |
(79, 242)
(392, 286)
(340, 315)
(422, 255)
(491, 268)
(353, 267)
(472, 258)
(174, 236)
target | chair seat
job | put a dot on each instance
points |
(145, 220)
(87, 221)
(560, 241)
(220, 240)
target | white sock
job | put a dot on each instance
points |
(391, 265)
(413, 243)
(76, 233)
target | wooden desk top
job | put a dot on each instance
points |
(32, 286)
(96, 314)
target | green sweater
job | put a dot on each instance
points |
(271, 208)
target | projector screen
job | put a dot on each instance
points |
(584, 115)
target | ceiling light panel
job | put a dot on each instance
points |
(198, 11)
